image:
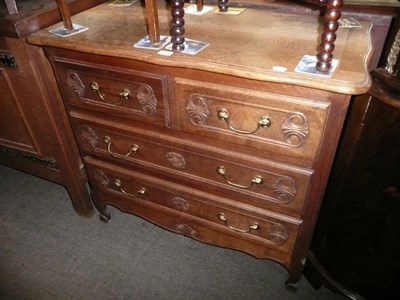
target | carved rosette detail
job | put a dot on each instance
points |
(75, 84)
(89, 138)
(147, 99)
(284, 189)
(185, 230)
(295, 129)
(176, 160)
(277, 234)
(181, 203)
(101, 178)
(197, 110)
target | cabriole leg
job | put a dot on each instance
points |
(101, 207)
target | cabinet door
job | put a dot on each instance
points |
(13, 129)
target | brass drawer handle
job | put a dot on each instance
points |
(139, 194)
(264, 122)
(253, 226)
(134, 149)
(124, 95)
(221, 170)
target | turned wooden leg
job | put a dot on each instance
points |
(330, 26)
(178, 22)
(394, 57)
(223, 5)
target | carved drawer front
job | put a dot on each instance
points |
(258, 182)
(254, 118)
(125, 93)
(273, 230)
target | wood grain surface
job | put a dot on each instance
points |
(249, 45)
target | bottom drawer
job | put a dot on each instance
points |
(240, 223)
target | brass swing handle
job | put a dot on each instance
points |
(253, 226)
(221, 170)
(264, 122)
(123, 95)
(134, 149)
(139, 194)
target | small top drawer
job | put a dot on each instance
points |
(133, 94)
(291, 125)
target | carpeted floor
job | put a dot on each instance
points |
(49, 252)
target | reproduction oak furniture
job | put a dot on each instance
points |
(35, 135)
(229, 146)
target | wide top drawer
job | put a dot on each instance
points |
(127, 93)
(276, 122)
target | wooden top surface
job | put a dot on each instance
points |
(249, 45)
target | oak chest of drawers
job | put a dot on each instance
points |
(216, 146)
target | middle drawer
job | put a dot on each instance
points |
(249, 180)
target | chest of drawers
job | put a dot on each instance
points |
(217, 146)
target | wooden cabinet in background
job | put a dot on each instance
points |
(356, 245)
(35, 135)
